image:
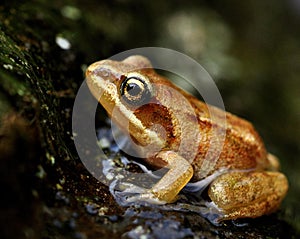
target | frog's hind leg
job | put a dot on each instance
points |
(273, 162)
(248, 194)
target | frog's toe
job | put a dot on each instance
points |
(128, 193)
(127, 198)
(129, 188)
(145, 197)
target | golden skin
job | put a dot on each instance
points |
(176, 130)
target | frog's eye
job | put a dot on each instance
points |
(135, 91)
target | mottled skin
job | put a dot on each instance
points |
(178, 130)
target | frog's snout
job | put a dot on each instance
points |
(98, 69)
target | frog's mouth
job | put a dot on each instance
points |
(103, 82)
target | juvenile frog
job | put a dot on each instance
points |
(173, 129)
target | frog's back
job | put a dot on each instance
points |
(242, 147)
(225, 140)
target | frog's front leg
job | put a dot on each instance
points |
(179, 174)
(248, 194)
(166, 189)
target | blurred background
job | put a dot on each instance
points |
(250, 48)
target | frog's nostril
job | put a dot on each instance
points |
(99, 72)
(103, 72)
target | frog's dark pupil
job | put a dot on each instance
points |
(133, 89)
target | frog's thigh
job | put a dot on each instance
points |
(248, 194)
(179, 174)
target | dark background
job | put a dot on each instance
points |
(250, 48)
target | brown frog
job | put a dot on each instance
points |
(175, 130)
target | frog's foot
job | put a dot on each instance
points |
(166, 189)
(146, 197)
(248, 194)
(132, 194)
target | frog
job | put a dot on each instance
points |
(243, 180)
